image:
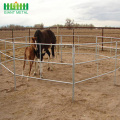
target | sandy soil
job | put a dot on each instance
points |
(96, 99)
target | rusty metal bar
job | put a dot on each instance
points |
(102, 38)
(12, 35)
(29, 35)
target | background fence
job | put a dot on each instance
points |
(98, 31)
(94, 31)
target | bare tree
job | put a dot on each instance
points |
(39, 25)
(59, 25)
(69, 23)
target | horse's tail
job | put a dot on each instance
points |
(53, 46)
(53, 52)
(53, 41)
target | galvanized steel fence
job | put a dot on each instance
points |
(75, 50)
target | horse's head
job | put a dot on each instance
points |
(34, 41)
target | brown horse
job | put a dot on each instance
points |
(30, 54)
(45, 37)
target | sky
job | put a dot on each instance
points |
(100, 13)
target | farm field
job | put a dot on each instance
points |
(95, 99)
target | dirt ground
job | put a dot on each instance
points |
(95, 99)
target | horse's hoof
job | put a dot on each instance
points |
(28, 85)
(41, 77)
(27, 79)
(51, 69)
(34, 74)
(22, 78)
(48, 68)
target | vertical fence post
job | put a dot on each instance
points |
(78, 43)
(26, 41)
(5, 52)
(40, 45)
(73, 71)
(73, 36)
(14, 65)
(115, 64)
(111, 48)
(97, 54)
(29, 35)
(12, 35)
(102, 38)
(0, 64)
(61, 48)
(97, 60)
(58, 39)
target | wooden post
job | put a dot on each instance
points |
(73, 36)
(102, 38)
(58, 39)
(29, 35)
(12, 35)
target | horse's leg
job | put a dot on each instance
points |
(31, 63)
(24, 66)
(48, 52)
(39, 67)
(35, 66)
(53, 55)
(52, 48)
(41, 70)
(55, 48)
(29, 69)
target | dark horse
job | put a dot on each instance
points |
(45, 37)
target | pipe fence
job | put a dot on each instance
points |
(8, 45)
(97, 31)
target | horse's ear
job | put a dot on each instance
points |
(32, 38)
